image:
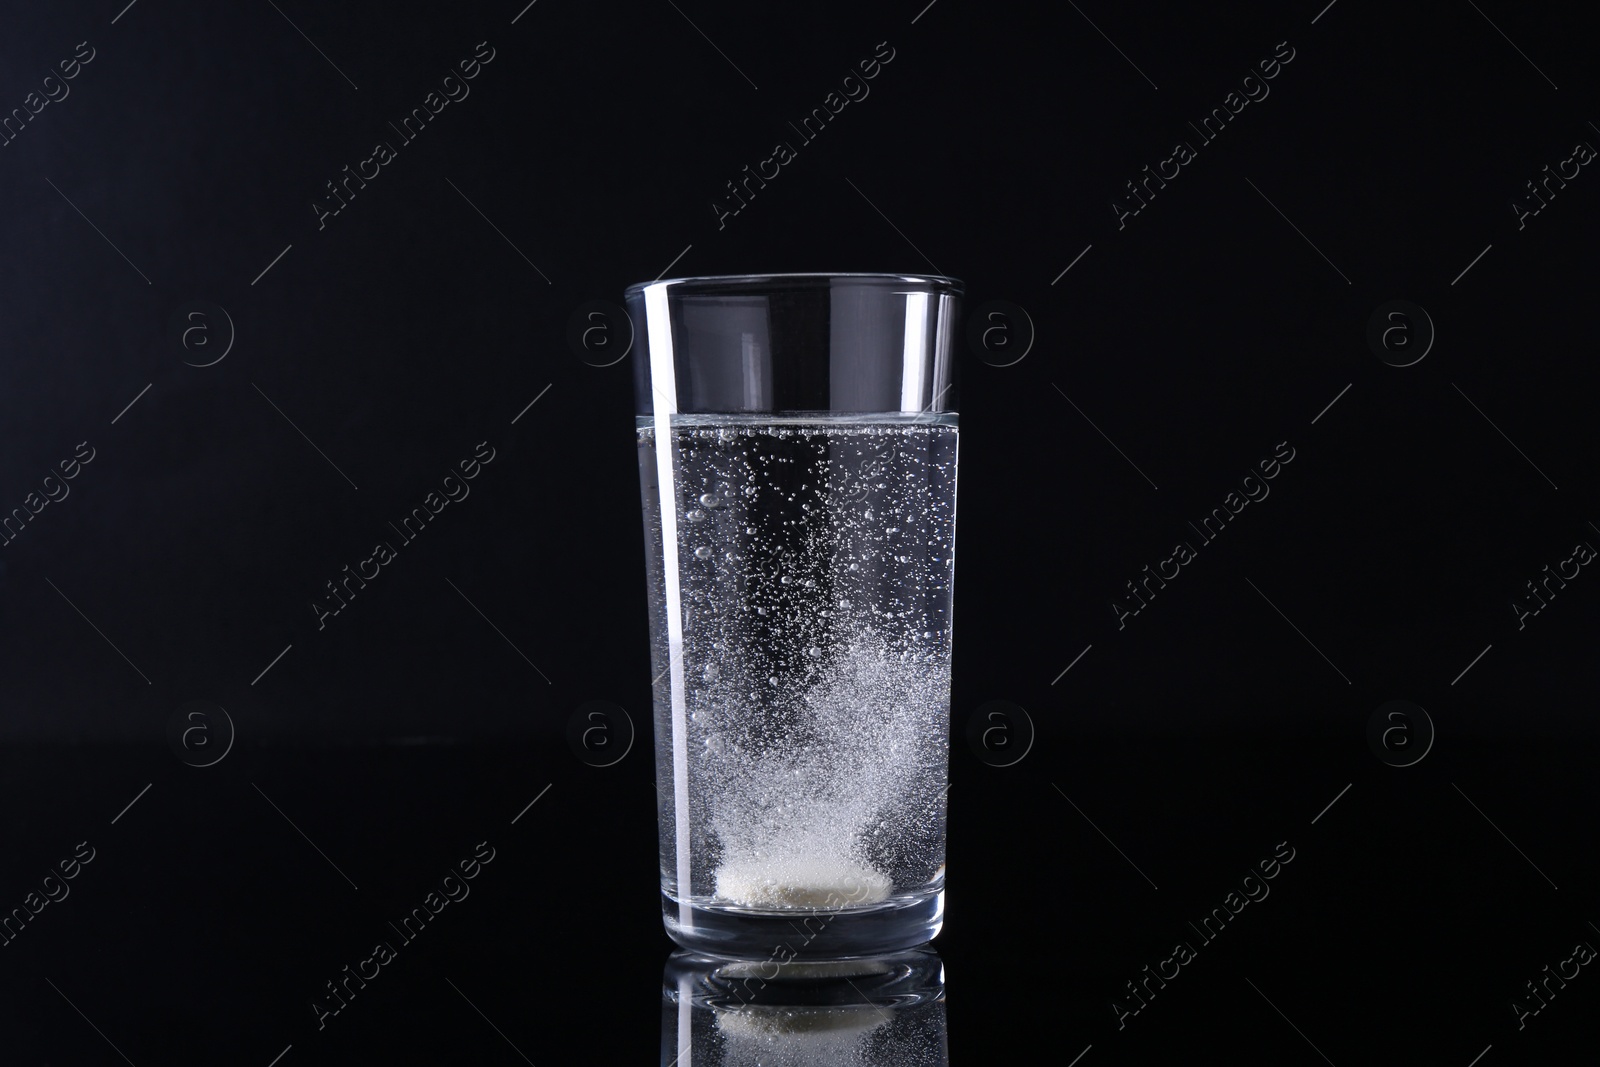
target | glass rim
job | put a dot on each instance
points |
(934, 283)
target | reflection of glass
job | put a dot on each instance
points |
(797, 449)
(887, 1011)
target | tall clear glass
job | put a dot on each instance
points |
(797, 457)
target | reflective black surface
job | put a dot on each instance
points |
(205, 927)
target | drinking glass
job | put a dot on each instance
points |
(797, 459)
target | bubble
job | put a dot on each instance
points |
(695, 515)
(731, 557)
(761, 611)
(715, 744)
(810, 584)
(710, 500)
(814, 652)
(772, 680)
(784, 580)
(702, 552)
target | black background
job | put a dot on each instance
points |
(1218, 722)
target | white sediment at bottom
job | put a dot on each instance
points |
(800, 882)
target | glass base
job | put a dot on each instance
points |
(810, 934)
